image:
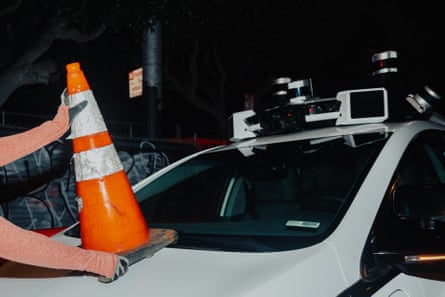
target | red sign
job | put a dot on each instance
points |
(135, 82)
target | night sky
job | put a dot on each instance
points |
(332, 47)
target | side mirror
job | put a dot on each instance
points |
(430, 266)
(420, 202)
(419, 252)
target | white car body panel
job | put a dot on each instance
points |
(403, 286)
(190, 273)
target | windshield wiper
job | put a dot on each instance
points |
(221, 242)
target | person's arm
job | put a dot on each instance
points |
(16, 146)
(28, 247)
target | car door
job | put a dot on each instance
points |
(405, 228)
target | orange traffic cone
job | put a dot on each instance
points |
(109, 215)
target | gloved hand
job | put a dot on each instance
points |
(120, 269)
(75, 110)
(64, 98)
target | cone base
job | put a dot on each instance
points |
(159, 238)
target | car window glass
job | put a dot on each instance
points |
(278, 196)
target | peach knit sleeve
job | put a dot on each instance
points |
(16, 146)
(29, 247)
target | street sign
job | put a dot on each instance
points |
(135, 82)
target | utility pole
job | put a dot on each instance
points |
(152, 75)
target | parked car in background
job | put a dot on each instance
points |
(354, 209)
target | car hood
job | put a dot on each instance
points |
(183, 272)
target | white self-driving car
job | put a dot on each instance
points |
(289, 208)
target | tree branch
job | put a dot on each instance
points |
(27, 69)
(12, 7)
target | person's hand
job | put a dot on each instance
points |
(120, 269)
(64, 98)
(75, 110)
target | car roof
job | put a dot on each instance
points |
(411, 127)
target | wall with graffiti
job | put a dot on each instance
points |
(38, 191)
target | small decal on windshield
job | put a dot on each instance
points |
(302, 224)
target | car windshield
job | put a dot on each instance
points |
(271, 197)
